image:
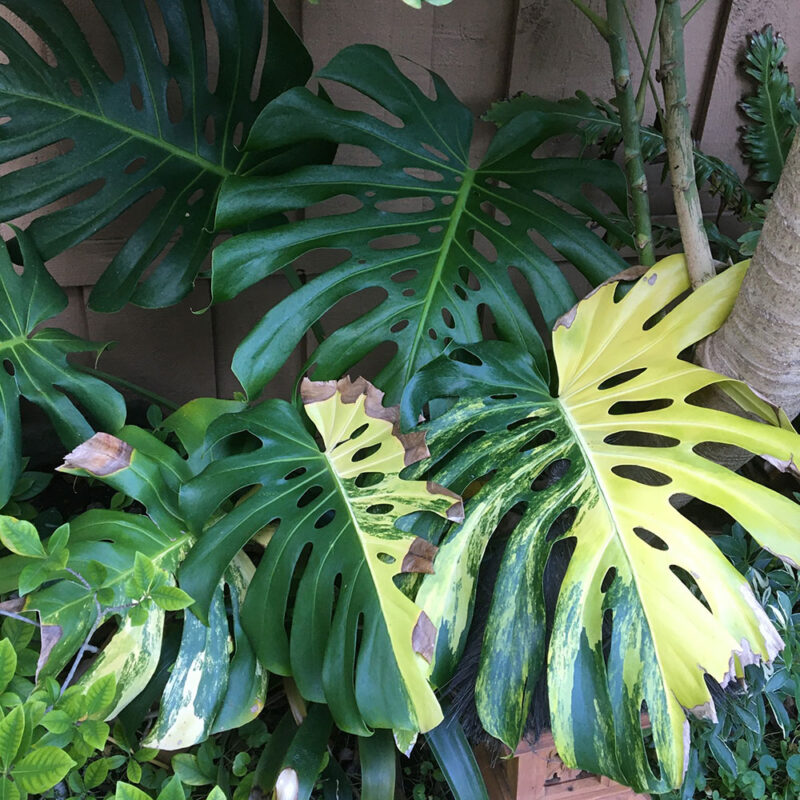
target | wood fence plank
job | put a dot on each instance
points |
(169, 351)
(720, 137)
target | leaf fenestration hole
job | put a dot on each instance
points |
(380, 508)
(367, 479)
(8, 366)
(210, 129)
(495, 213)
(460, 291)
(520, 423)
(135, 165)
(310, 494)
(399, 326)
(174, 101)
(295, 473)
(608, 579)
(432, 333)
(435, 152)
(484, 246)
(642, 475)
(196, 195)
(464, 356)
(648, 537)
(640, 439)
(504, 396)
(561, 524)
(608, 632)
(435, 229)
(551, 474)
(386, 558)
(620, 378)
(366, 452)
(394, 241)
(212, 47)
(136, 97)
(409, 292)
(429, 175)
(624, 407)
(448, 318)
(75, 87)
(405, 275)
(448, 200)
(359, 431)
(159, 30)
(541, 438)
(325, 519)
(689, 581)
(238, 134)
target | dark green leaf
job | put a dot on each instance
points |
(378, 757)
(456, 760)
(138, 148)
(441, 269)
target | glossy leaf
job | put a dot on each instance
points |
(12, 727)
(460, 228)
(456, 760)
(616, 445)
(128, 133)
(361, 648)
(35, 364)
(8, 662)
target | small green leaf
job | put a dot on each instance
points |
(95, 773)
(21, 537)
(127, 792)
(115, 762)
(58, 540)
(12, 727)
(793, 768)
(106, 596)
(144, 571)
(145, 754)
(240, 764)
(723, 755)
(41, 769)
(173, 790)
(138, 614)
(187, 769)
(134, 771)
(8, 791)
(754, 783)
(171, 598)
(32, 576)
(216, 794)
(94, 733)
(95, 573)
(100, 696)
(57, 721)
(767, 764)
(8, 663)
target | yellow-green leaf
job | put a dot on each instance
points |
(102, 692)
(21, 537)
(41, 769)
(12, 728)
(8, 663)
(648, 606)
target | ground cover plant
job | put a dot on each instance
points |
(283, 591)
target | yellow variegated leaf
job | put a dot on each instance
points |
(356, 642)
(648, 605)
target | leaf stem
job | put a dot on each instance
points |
(593, 17)
(693, 10)
(680, 150)
(629, 119)
(19, 617)
(140, 390)
(647, 62)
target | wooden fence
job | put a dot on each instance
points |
(486, 50)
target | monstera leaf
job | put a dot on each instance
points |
(356, 642)
(461, 229)
(163, 131)
(216, 683)
(34, 365)
(648, 606)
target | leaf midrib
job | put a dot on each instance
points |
(444, 252)
(134, 133)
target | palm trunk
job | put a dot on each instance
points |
(760, 341)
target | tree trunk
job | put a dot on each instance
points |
(760, 341)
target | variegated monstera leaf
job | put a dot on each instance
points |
(648, 604)
(355, 641)
(216, 682)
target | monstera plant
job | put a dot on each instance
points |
(326, 540)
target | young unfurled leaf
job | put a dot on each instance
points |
(648, 606)
(41, 769)
(21, 537)
(144, 573)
